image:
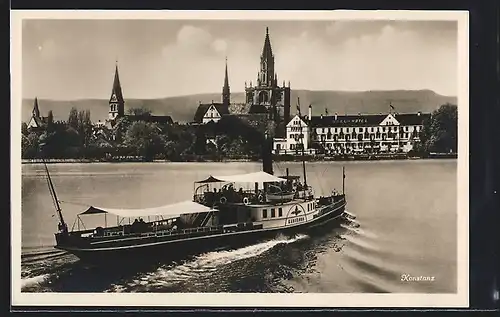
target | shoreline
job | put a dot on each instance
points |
(277, 159)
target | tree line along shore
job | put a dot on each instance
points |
(78, 140)
(277, 158)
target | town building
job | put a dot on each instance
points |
(351, 134)
(297, 137)
(37, 121)
(210, 112)
(213, 112)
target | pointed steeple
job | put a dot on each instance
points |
(226, 93)
(266, 73)
(116, 102)
(266, 50)
(117, 88)
(36, 110)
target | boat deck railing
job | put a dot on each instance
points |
(187, 232)
(211, 199)
(330, 207)
(181, 231)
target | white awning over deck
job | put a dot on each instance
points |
(257, 177)
(173, 210)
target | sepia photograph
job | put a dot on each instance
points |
(240, 158)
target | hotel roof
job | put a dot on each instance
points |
(366, 120)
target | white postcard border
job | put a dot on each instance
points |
(460, 299)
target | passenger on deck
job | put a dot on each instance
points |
(216, 195)
(230, 193)
(141, 226)
(133, 227)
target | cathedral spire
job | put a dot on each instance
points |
(266, 73)
(226, 93)
(266, 50)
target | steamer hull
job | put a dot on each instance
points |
(154, 247)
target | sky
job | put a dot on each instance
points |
(75, 59)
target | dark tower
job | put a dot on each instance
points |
(36, 110)
(226, 93)
(116, 102)
(266, 73)
(267, 96)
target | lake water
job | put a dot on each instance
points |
(405, 223)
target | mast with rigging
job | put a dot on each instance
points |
(63, 227)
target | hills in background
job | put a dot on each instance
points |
(183, 108)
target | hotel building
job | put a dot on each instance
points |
(351, 134)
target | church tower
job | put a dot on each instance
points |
(36, 110)
(116, 102)
(36, 121)
(226, 93)
(267, 96)
(266, 73)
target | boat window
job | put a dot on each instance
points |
(264, 213)
(280, 212)
(273, 213)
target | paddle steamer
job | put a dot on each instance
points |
(221, 214)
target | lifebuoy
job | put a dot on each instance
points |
(223, 200)
(261, 198)
(246, 201)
